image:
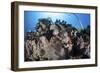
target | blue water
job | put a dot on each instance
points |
(31, 19)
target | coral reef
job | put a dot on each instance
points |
(56, 41)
